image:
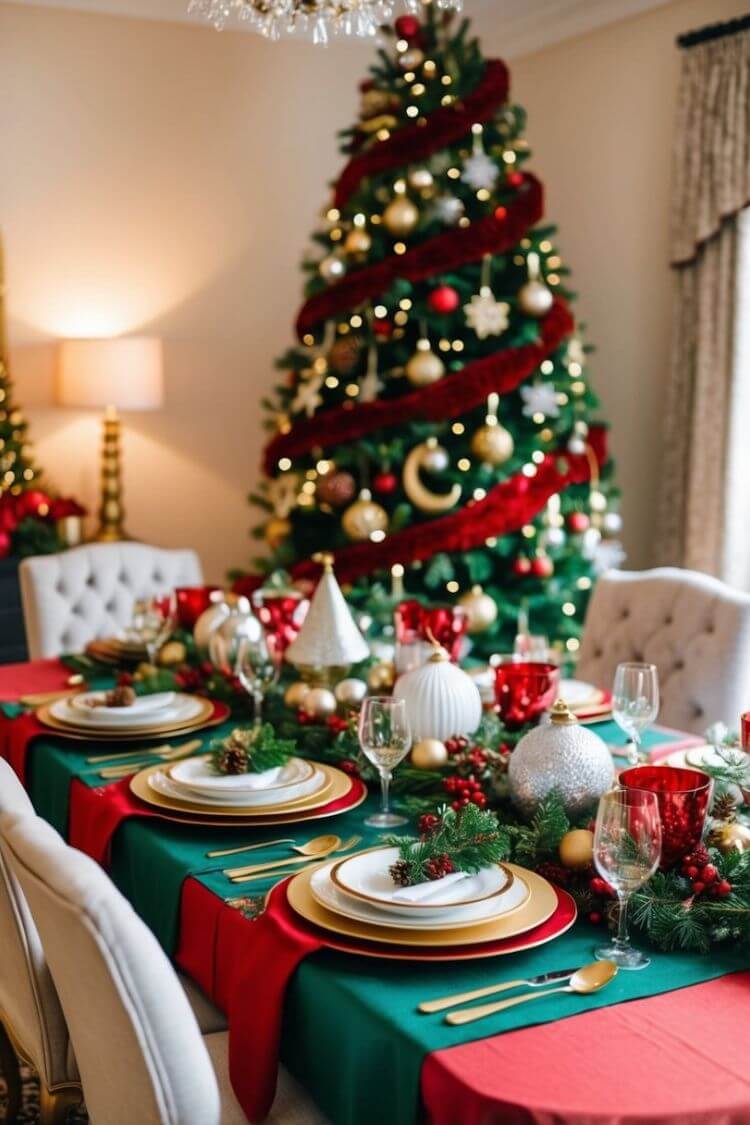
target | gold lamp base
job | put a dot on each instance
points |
(111, 512)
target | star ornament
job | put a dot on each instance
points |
(282, 493)
(308, 398)
(480, 171)
(487, 316)
(540, 398)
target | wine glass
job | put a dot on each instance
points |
(154, 621)
(532, 646)
(257, 666)
(385, 738)
(627, 850)
(635, 702)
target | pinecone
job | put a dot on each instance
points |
(400, 872)
(120, 696)
(439, 866)
(724, 808)
(233, 759)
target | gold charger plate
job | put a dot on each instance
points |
(539, 906)
(208, 716)
(337, 785)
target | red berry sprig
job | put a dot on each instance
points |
(428, 823)
(439, 866)
(703, 875)
(465, 791)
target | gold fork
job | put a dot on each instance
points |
(161, 750)
(265, 870)
(126, 768)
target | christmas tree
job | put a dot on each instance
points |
(434, 428)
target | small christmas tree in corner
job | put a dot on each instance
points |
(434, 427)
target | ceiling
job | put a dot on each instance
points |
(528, 24)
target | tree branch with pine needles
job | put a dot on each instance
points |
(465, 840)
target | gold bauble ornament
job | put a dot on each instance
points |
(492, 444)
(331, 268)
(296, 694)
(480, 609)
(400, 216)
(420, 179)
(577, 849)
(364, 517)
(410, 59)
(732, 837)
(320, 703)
(429, 754)
(357, 241)
(424, 367)
(534, 298)
(381, 677)
(276, 531)
(172, 653)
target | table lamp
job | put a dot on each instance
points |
(111, 374)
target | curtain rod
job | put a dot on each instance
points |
(713, 31)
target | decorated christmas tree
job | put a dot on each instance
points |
(434, 425)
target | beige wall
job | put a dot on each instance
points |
(164, 179)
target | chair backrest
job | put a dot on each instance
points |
(73, 597)
(695, 629)
(29, 1006)
(139, 1051)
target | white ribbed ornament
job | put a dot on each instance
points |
(441, 700)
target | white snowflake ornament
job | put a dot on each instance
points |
(540, 398)
(485, 315)
(480, 171)
(575, 352)
(448, 209)
(608, 556)
(307, 397)
(282, 493)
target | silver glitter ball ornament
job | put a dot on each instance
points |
(564, 756)
(350, 692)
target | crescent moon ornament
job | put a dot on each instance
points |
(418, 493)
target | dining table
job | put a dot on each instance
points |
(666, 1044)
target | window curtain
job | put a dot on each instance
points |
(707, 385)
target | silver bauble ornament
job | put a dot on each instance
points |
(350, 692)
(320, 703)
(295, 694)
(435, 458)
(424, 367)
(363, 518)
(564, 756)
(420, 179)
(400, 216)
(492, 444)
(612, 523)
(552, 537)
(240, 623)
(577, 445)
(331, 268)
(480, 609)
(534, 298)
(429, 754)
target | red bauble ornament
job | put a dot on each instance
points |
(542, 566)
(407, 27)
(578, 521)
(385, 483)
(336, 488)
(382, 328)
(4, 544)
(521, 566)
(444, 299)
(515, 178)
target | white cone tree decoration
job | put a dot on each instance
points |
(329, 642)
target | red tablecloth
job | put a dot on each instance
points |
(680, 1057)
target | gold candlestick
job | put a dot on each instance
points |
(111, 510)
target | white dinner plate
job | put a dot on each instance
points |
(162, 784)
(365, 879)
(326, 893)
(90, 702)
(698, 757)
(182, 709)
(196, 776)
(576, 693)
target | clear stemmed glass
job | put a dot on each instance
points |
(627, 849)
(635, 702)
(385, 738)
(154, 621)
(256, 669)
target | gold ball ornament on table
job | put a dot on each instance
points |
(350, 692)
(417, 492)
(171, 654)
(429, 754)
(400, 216)
(733, 837)
(381, 677)
(480, 609)
(296, 694)
(320, 703)
(424, 367)
(276, 531)
(492, 444)
(577, 849)
(363, 518)
(357, 242)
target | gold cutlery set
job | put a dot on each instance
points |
(311, 852)
(122, 765)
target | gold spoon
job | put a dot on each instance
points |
(272, 868)
(318, 846)
(589, 978)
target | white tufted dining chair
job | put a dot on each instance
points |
(73, 597)
(694, 628)
(30, 1010)
(140, 1053)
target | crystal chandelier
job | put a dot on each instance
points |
(321, 18)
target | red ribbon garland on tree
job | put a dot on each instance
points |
(451, 396)
(494, 235)
(506, 508)
(415, 142)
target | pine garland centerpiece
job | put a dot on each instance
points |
(465, 840)
(251, 749)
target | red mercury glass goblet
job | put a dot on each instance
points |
(191, 602)
(282, 616)
(447, 624)
(683, 796)
(524, 689)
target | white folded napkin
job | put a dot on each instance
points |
(431, 889)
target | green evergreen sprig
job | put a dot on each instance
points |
(468, 840)
(250, 750)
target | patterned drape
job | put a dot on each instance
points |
(711, 186)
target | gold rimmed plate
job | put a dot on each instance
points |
(538, 908)
(211, 714)
(336, 787)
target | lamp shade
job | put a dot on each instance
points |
(126, 373)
